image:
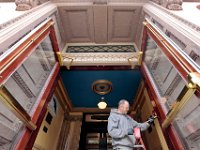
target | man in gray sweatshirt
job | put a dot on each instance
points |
(121, 125)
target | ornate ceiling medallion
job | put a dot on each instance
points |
(102, 87)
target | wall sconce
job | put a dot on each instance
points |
(102, 104)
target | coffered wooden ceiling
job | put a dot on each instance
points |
(86, 22)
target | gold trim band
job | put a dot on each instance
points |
(182, 99)
(59, 55)
(16, 108)
(194, 77)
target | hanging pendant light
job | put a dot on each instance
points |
(102, 104)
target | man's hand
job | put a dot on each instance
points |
(151, 119)
(130, 131)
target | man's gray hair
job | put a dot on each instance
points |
(122, 101)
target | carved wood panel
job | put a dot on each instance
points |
(78, 23)
(122, 23)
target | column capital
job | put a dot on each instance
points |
(173, 4)
(23, 5)
(170, 4)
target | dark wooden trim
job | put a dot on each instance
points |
(54, 39)
(28, 138)
(16, 58)
(144, 39)
(144, 42)
(90, 110)
(54, 42)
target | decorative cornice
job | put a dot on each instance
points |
(182, 20)
(23, 5)
(185, 31)
(174, 4)
(100, 1)
(14, 29)
(101, 59)
(16, 19)
(170, 4)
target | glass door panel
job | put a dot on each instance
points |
(167, 79)
(175, 78)
(187, 124)
(10, 125)
(28, 71)
(26, 83)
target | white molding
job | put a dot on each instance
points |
(5, 54)
(20, 17)
(171, 13)
(16, 28)
(186, 31)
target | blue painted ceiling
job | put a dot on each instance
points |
(78, 84)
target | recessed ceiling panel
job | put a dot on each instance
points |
(79, 86)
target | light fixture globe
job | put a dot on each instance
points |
(102, 104)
